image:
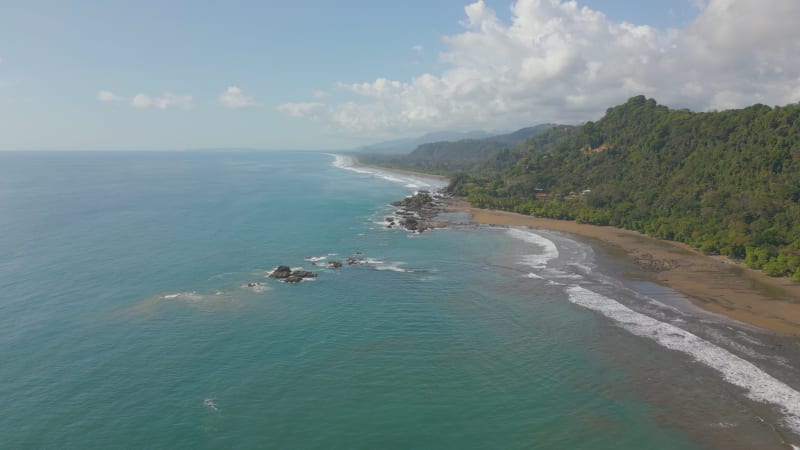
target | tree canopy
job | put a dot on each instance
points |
(724, 182)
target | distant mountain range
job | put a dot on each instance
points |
(461, 154)
(400, 146)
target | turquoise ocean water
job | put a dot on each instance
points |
(126, 321)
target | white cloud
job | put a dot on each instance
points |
(166, 101)
(320, 94)
(557, 61)
(235, 98)
(418, 48)
(378, 89)
(301, 109)
(108, 96)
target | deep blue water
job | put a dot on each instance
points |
(126, 320)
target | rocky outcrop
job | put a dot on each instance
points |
(334, 264)
(417, 213)
(281, 272)
(287, 275)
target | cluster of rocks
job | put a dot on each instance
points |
(417, 212)
(287, 275)
(357, 258)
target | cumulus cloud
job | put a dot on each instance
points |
(167, 100)
(301, 109)
(418, 48)
(558, 61)
(108, 96)
(235, 98)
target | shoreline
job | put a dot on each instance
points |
(713, 283)
(358, 163)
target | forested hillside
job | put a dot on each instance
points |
(724, 182)
(453, 156)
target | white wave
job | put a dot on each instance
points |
(383, 265)
(255, 287)
(584, 268)
(302, 280)
(560, 274)
(407, 180)
(186, 296)
(347, 163)
(549, 249)
(534, 276)
(391, 267)
(316, 258)
(760, 386)
(211, 404)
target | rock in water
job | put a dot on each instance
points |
(281, 272)
(303, 274)
(288, 275)
(334, 264)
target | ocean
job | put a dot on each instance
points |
(135, 312)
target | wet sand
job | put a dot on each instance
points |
(714, 283)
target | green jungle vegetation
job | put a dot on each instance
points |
(723, 182)
(446, 157)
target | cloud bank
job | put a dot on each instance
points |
(557, 61)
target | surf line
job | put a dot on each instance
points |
(759, 385)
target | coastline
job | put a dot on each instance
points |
(713, 283)
(358, 163)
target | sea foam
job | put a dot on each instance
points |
(549, 249)
(407, 180)
(759, 385)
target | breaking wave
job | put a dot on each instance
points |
(410, 181)
(760, 386)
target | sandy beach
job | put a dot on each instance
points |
(430, 176)
(714, 283)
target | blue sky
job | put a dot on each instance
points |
(327, 75)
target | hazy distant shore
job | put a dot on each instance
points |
(713, 283)
(358, 163)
